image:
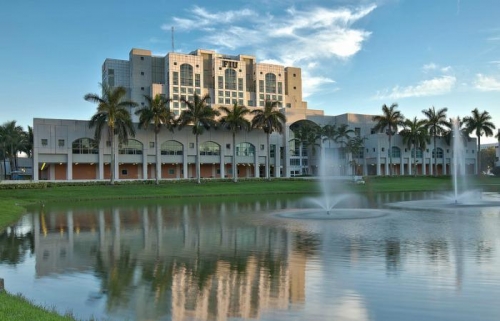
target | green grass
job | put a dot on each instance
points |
(13, 202)
(16, 308)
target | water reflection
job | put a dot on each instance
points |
(220, 260)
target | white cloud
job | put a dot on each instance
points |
(311, 85)
(431, 67)
(432, 87)
(316, 33)
(486, 83)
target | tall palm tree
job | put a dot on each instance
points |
(28, 142)
(479, 124)
(435, 122)
(306, 135)
(389, 122)
(156, 114)
(234, 120)
(342, 137)
(270, 120)
(112, 113)
(462, 131)
(354, 146)
(202, 117)
(13, 139)
(415, 135)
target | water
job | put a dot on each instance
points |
(222, 259)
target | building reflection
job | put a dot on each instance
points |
(190, 262)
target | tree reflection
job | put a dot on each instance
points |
(14, 246)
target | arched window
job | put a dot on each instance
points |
(439, 153)
(418, 153)
(209, 149)
(270, 83)
(171, 147)
(85, 146)
(396, 151)
(245, 149)
(132, 147)
(230, 81)
(186, 75)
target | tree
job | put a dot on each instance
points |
(449, 131)
(415, 135)
(202, 117)
(156, 114)
(480, 124)
(354, 146)
(435, 122)
(488, 157)
(343, 136)
(112, 113)
(270, 120)
(235, 121)
(306, 135)
(389, 122)
(13, 139)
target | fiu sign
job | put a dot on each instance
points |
(229, 64)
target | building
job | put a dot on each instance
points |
(66, 150)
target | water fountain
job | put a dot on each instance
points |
(461, 196)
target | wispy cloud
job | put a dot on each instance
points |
(431, 87)
(432, 67)
(486, 83)
(307, 38)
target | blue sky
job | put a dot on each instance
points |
(355, 55)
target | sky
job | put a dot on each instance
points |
(355, 55)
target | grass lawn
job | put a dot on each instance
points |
(12, 202)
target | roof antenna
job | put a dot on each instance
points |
(173, 47)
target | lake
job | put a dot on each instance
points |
(257, 258)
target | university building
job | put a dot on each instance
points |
(66, 150)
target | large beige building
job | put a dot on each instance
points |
(66, 150)
(227, 79)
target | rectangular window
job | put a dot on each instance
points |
(357, 131)
(176, 89)
(272, 151)
(240, 102)
(261, 86)
(280, 98)
(190, 90)
(220, 82)
(261, 103)
(228, 101)
(191, 145)
(240, 83)
(171, 171)
(45, 142)
(60, 142)
(198, 91)
(288, 105)
(261, 146)
(197, 80)
(175, 75)
(235, 94)
(151, 144)
(183, 90)
(250, 103)
(221, 93)
(228, 94)
(221, 100)
(240, 94)
(228, 146)
(280, 88)
(124, 172)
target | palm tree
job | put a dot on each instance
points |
(306, 134)
(112, 112)
(343, 136)
(415, 135)
(202, 117)
(157, 114)
(354, 146)
(270, 120)
(235, 121)
(435, 122)
(389, 122)
(479, 124)
(13, 139)
(462, 131)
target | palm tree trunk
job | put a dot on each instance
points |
(235, 169)
(390, 154)
(414, 160)
(478, 155)
(112, 164)
(158, 164)
(268, 175)
(198, 170)
(435, 157)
